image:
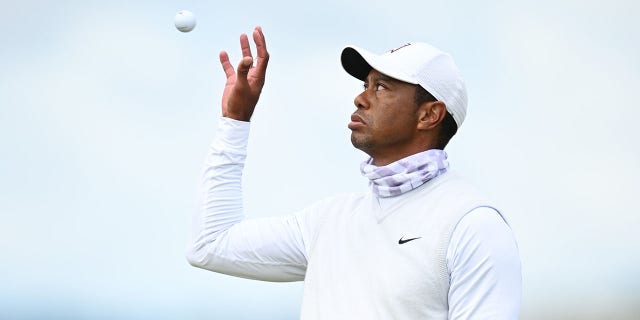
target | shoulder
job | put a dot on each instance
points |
(453, 195)
(486, 225)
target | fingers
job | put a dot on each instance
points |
(244, 45)
(243, 68)
(247, 58)
(226, 65)
(261, 44)
(261, 48)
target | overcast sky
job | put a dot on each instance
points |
(106, 112)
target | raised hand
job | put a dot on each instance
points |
(242, 90)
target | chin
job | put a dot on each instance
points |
(362, 144)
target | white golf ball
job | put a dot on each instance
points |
(185, 20)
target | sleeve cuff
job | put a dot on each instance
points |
(232, 136)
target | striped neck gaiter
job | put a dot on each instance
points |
(405, 174)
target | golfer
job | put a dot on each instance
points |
(421, 243)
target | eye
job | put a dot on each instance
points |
(378, 86)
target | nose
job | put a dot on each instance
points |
(361, 100)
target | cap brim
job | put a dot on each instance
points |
(354, 63)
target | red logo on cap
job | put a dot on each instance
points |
(398, 48)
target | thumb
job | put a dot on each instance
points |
(243, 68)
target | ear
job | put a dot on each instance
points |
(430, 114)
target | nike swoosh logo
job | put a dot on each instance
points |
(403, 240)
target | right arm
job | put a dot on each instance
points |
(269, 249)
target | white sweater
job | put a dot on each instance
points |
(436, 252)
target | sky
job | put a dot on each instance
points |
(106, 112)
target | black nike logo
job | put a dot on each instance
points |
(402, 240)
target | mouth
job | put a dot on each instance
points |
(356, 122)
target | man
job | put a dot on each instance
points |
(422, 244)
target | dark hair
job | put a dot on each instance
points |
(448, 126)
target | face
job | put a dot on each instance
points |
(384, 124)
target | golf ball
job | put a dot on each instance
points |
(185, 21)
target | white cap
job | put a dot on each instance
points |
(415, 63)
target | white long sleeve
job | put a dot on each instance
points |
(269, 249)
(484, 266)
